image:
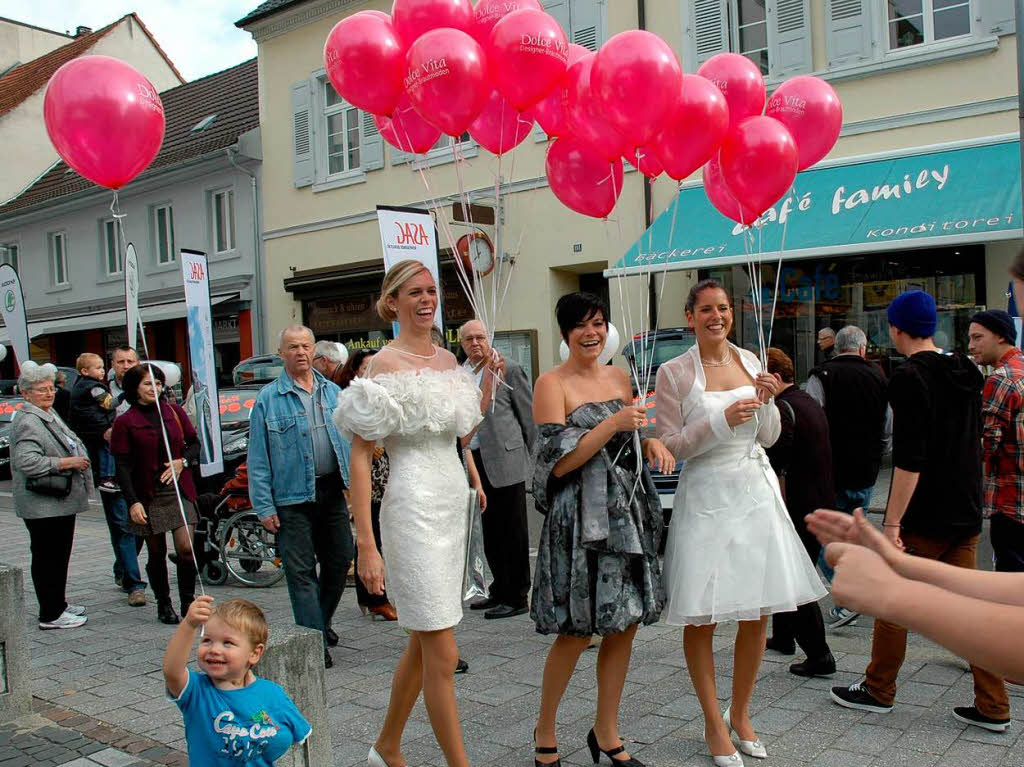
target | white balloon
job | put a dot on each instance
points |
(563, 351)
(28, 365)
(3, 353)
(172, 373)
(343, 351)
(50, 368)
(611, 345)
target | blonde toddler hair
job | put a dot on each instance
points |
(242, 615)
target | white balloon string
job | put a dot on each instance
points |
(778, 270)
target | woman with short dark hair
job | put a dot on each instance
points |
(146, 473)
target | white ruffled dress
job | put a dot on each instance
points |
(423, 515)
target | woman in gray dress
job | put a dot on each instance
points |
(597, 562)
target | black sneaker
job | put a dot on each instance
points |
(818, 667)
(971, 715)
(857, 697)
(461, 667)
(108, 486)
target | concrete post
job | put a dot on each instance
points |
(15, 661)
(294, 658)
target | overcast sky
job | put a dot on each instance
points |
(199, 36)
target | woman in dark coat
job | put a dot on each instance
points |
(144, 472)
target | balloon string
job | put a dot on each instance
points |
(778, 269)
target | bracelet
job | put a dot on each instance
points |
(891, 524)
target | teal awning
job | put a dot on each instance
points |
(926, 197)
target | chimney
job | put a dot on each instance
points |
(80, 31)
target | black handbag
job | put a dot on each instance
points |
(55, 484)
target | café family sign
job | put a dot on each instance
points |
(958, 194)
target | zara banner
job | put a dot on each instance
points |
(200, 353)
(131, 293)
(12, 309)
(410, 233)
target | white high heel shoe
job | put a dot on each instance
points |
(752, 748)
(373, 759)
(732, 760)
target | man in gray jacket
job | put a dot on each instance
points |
(501, 450)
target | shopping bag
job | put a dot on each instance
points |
(474, 582)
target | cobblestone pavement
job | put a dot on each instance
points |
(105, 679)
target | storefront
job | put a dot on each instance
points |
(853, 235)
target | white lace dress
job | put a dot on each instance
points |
(423, 515)
(732, 551)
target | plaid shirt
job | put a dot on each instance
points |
(1003, 437)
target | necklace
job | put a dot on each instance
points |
(414, 354)
(718, 363)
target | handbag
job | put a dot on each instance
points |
(55, 484)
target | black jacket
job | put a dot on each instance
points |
(92, 411)
(802, 454)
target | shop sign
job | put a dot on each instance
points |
(338, 315)
(963, 194)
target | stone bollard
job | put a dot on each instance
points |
(15, 660)
(294, 658)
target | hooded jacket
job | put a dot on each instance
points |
(936, 403)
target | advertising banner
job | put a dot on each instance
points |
(12, 309)
(204, 370)
(131, 293)
(410, 233)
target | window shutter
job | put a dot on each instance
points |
(706, 32)
(559, 10)
(371, 144)
(586, 17)
(789, 37)
(849, 39)
(997, 17)
(302, 135)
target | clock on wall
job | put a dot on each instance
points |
(477, 253)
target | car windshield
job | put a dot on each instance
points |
(8, 407)
(258, 370)
(660, 350)
(236, 406)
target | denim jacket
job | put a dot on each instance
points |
(280, 460)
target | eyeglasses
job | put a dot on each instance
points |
(43, 390)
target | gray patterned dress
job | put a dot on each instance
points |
(597, 562)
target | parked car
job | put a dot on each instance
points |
(257, 370)
(9, 407)
(235, 410)
(70, 376)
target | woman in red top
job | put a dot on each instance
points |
(144, 472)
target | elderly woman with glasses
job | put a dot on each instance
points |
(52, 483)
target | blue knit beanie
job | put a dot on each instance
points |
(913, 312)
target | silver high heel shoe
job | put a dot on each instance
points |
(373, 759)
(752, 748)
(732, 760)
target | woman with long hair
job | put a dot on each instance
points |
(419, 401)
(732, 553)
(597, 562)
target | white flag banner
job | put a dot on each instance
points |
(12, 309)
(200, 353)
(131, 292)
(410, 233)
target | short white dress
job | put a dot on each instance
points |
(732, 551)
(424, 512)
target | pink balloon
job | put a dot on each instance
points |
(759, 161)
(490, 12)
(695, 130)
(551, 112)
(528, 54)
(104, 119)
(405, 129)
(447, 79)
(810, 108)
(636, 80)
(414, 18)
(379, 14)
(500, 126)
(740, 81)
(582, 179)
(585, 120)
(365, 62)
(649, 165)
(721, 196)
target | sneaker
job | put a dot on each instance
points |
(108, 486)
(65, 621)
(840, 616)
(137, 598)
(119, 582)
(857, 697)
(971, 715)
(75, 609)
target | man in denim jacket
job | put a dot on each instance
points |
(298, 471)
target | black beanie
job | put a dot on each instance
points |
(999, 322)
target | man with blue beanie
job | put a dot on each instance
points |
(934, 507)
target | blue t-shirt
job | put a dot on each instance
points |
(253, 725)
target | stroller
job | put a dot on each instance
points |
(229, 538)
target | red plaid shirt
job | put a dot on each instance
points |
(1003, 437)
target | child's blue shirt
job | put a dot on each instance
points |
(253, 725)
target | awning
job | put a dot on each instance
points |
(927, 197)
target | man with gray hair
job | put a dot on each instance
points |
(826, 344)
(328, 358)
(298, 470)
(852, 391)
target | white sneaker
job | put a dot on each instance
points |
(75, 609)
(65, 621)
(840, 616)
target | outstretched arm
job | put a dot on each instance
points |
(178, 649)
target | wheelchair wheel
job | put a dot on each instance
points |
(249, 551)
(214, 573)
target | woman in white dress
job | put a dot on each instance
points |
(732, 551)
(418, 400)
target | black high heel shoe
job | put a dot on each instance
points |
(596, 751)
(544, 750)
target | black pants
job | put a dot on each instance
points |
(364, 597)
(805, 624)
(311, 533)
(50, 540)
(1008, 544)
(506, 539)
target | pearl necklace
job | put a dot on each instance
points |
(414, 354)
(718, 363)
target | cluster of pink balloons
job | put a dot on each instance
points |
(104, 118)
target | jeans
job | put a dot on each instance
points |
(848, 501)
(106, 466)
(312, 533)
(126, 545)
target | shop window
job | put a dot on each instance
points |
(113, 258)
(9, 254)
(341, 127)
(58, 244)
(919, 22)
(163, 234)
(222, 220)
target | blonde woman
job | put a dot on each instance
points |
(419, 401)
